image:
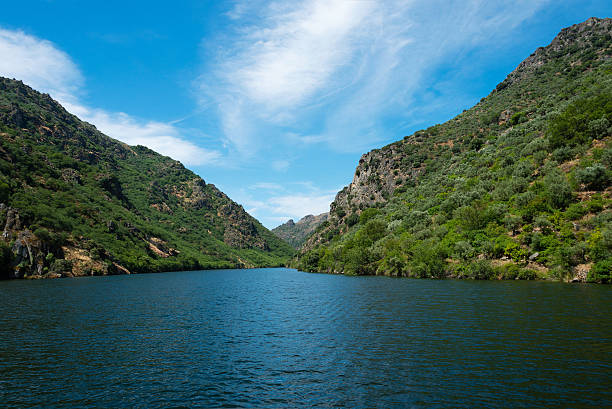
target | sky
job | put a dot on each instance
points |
(274, 102)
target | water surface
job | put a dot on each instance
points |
(284, 338)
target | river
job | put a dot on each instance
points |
(285, 338)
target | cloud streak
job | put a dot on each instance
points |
(347, 64)
(41, 65)
(298, 51)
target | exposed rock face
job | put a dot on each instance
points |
(28, 251)
(160, 248)
(240, 231)
(32, 256)
(12, 221)
(569, 40)
(297, 233)
(378, 174)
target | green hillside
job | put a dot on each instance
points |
(76, 202)
(516, 187)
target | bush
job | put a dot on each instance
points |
(594, 177)
(563, 154)
(481, 270)
(581, 121)
(516, 252)
(43, 234)
(512, 222)
(4, 192)
(368, 214)
(514, 272)
(464, 250)
(428, 261)
(601, 272)
(352, 220)
(61, 266)
(558, 190)
(471, 217)
(600, 244)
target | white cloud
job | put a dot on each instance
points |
(159, 136)
(300, 205)
(332, 70)
(292, 201)
(41, 65)
(296, 53)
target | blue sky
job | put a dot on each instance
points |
(274, 101)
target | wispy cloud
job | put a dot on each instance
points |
(296, 53)
(40, 64)
(280, 165)
(282, 203)
(266, 186)
(348, 64)
(299, 205)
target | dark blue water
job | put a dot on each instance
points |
(283, 338)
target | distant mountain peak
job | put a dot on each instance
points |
(296, 233)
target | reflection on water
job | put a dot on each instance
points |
(283, 338)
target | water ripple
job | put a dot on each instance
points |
(282, 338)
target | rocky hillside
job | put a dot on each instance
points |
(516, 187)
(297, 233)
(76, 202)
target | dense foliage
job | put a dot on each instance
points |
(516, 187)
(75, 188)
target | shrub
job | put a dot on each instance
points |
(4, 192)
(368, 214)
(515, 252)
(61, 266)
(563, 154)
(594, 177)
(481, 270)
(558, 190)
(512, 222)
(600, 244)
(464, 250)
(43, 234)
(352, 219)
(581, 121)
(601, 272)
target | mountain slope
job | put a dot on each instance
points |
(297, 233)
(516, 187)
(76, 202)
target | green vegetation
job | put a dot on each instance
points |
(518, 187)
(82, 193)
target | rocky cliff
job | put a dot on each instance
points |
(529, 162)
